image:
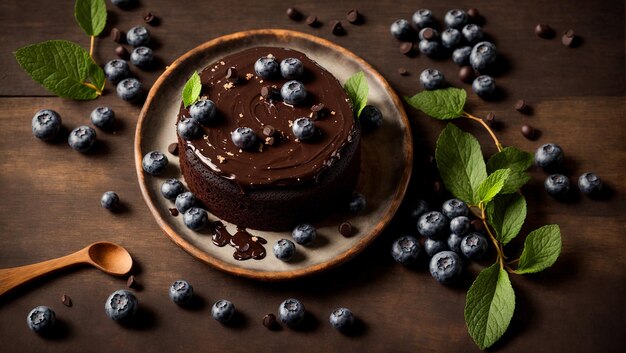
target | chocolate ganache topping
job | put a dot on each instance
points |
(280, 158)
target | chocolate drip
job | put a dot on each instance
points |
(246, 245)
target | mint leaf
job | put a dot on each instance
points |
(541, 249)
(91, 16)
(506, 214)
(442, 104)
(516, 160)
(61, 67)
(460, 162)
(358, 90)
(192, 89)
(491, 186)
(96, 75)
(489, 306)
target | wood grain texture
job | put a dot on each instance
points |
(50, 194)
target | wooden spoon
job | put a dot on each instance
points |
(105, 256)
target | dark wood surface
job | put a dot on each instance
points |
(49, 204)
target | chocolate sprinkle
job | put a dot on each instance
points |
(66, 300)
(353, 16)
(172, 148)
(116, 35)
(528, 132)
(294, 14)
(346, 229)
(122, 52)
(337, 28)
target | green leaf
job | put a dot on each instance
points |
(489, 306)
(192, 89)
(91, 16)
(96, 75)
(516, 160)
(460, 162)
(514, 182)
(442, 104)
(358, 90)
(541, 249)
(61, 67)
(491, 186)
(506, 214)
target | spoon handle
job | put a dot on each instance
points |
(16, 276)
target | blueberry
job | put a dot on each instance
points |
(154, 163)
(291, 312)
(549, 156)
(589, 184)
(434, 37)
(557, 185)
(454, 242)
(420, 207)
(129, 89)
(243, 137)
(405, 249)
(483, 55)
(181, 292)
(304, 234)
(461, 56)
(284, 249)
(293, 92)
(474, 246)
(401, 29)
(432, 246)
(188, 129)
(429, 47)
(82, 138)
(423, 18)
(223, 311)
(451, 38)
(171, 188)
(455, 18)
(446, 266)
(116, 70)
(303, 128)
(123, 3)
(484, 85)
(138, 36)
(41, 319)
(103, 117)
(109, 200)
(185, 201)
(203, 112)
(142, 57)
(341, 319)
(432, 224)
(454, 207)
(472, 33)
(460, 225)
(432, 79)
(46, 124)
(291, 68)
(357, 203)
(195, 218)
(266, 67)
(371, 118)
(121, 306)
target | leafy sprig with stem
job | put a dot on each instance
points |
(492, 190)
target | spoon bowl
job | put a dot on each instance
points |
(110, 258)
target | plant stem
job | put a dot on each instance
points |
(482, 122)
(98, 92)
(91, 45)
(496, 243)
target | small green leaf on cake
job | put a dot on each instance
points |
(91, 16)
(541, 249)
(442, 104)
(192, 89)
(358, 90)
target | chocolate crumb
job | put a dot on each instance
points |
(66, 300)
(150, 19)
(544, 31)
(337, 28)
(232, 75)
(528, 132)
(406, 48)
(269, 130)
(491, 119)
(132, 282)
(402, 71)
(116, 35)
(174, 212)
(269, 92)
(312, 21)
(569, 38)
(346, 229)
(172, 148)
(466, 74)
(294, 14)
(318, 111)
(353, 16)
(521, 106)
(270, 322)
(270, 141)
(122, 52)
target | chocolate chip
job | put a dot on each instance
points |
(466, 74)
(428, 34)
(312, 21)
(270, 322)
(473, 13)
(569, 38)
(406, 48)
(402, 71)
(521, 106)
(528, 132)
(491, 119)
(294, 14)
(437, 187)
(544, 31)
(337, 28)
(116, 35)
(317, 107)
(269, 130)
(122, 52)
(150, 19)
(173, 212)
(132, 282)
(318, 111)
(172, 148)
(477, 224)
(353, 16)
(66, 300)
(269, 92)
(346, 229)
(232, 75)
(270, 141)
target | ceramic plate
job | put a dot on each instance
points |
(387, 156)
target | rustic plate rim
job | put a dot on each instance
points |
(279, 275)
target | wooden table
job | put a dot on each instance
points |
(49, 202)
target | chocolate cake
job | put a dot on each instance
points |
(281, 181)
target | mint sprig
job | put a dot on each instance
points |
(493, 192)
(191, 91)
(358, 89)
(91, 16)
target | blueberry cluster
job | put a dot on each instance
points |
(462, 39)
(550, 158)
(201, 113)
(447, 234)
